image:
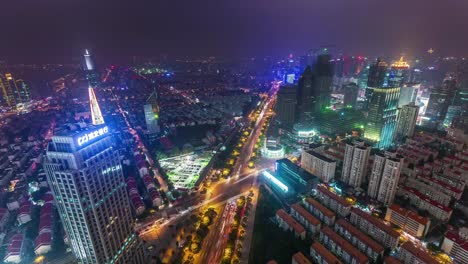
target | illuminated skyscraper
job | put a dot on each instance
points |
(406, 121)
(7, 92)
(384, 177)
(382, 106)
(382, 117)
(151, 110)
(323, 81)
(376, 77)
(84, 172)
(399, 73)
(314, 87)
(90, 69)
(88, 61)
(14, 91)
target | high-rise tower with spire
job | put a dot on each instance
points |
(85, 174)
(96, 115)
(90, 69)
(91, 76)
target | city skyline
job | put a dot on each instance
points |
(228, 133)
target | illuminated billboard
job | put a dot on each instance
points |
(91, 135)
(277, 182)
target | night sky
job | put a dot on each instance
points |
(56, 30)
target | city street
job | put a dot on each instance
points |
(217, 196)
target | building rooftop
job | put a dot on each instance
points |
(303, 174)
(298, 228)
(14, 248)
(442, 184)
(360, 235)
(408, 213)
(325, 254)
(376, 222)
(427, 199)
(323, 189)
(44, 239)
(300, 258)
(457, 239)
(308, 216)
(327, 212)
(391, 260)
(319, 156)
(421, 254)
(345, 245)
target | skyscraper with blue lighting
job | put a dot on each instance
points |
(85, 175)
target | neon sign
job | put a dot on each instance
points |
(310, 133)
(281, 185)
(92, 135)
(111, 169)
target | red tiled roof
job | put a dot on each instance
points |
(327, 212)
(427, 199)
(408, 213)
(457, 239)
(360, 235)
(301, 259)
(3, 211)
(345, 245)
(422, 255)
(441, 183)
(391, 260)
(14, 248)
(376, 222)
(303, 212)
(323, 189)
(43, 239)
(154, 193)
(25, 208)
(325, 254)
(298, 228)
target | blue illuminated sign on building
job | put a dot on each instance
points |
(90, 136)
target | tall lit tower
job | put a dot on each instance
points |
(96, 115)
(399, 73)
(382, 104)
(151, 110)
(14, 91)
(84, 172)
(90, 69)
(7, 91)
(88, 61)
